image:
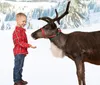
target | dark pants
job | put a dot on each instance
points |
(18, 67)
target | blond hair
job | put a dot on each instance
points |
(20, 14)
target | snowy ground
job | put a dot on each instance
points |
(41, 67)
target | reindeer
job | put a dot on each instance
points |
(79, 46)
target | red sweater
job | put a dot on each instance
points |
(20, 41)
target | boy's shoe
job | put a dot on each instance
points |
(24, 82)
(18, 83)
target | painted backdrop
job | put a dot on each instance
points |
(80, 13)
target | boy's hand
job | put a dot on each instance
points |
(32, 46)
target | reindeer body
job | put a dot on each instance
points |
(79, 46)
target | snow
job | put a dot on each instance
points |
(32, 5)
(98, 2)
(41, 67)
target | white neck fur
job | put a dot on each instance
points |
(56, 51)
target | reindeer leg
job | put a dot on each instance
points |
(83, 72)
(80, 70)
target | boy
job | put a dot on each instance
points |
(20, 48)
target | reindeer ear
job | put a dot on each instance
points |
(45, 19)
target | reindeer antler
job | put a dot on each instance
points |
(49, 20)
(65, 13)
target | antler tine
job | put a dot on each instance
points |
(47, 19)
(65, 13)
(56, 17)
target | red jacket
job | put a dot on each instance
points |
(20, 41)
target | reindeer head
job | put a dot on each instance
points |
(50, 29)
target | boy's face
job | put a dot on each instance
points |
(21, 21)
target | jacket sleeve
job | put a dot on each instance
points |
(18, 39)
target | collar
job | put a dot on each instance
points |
(20, 28)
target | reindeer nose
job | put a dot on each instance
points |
(32, 35)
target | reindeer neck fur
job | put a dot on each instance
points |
(59, 40)
(58, 44)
